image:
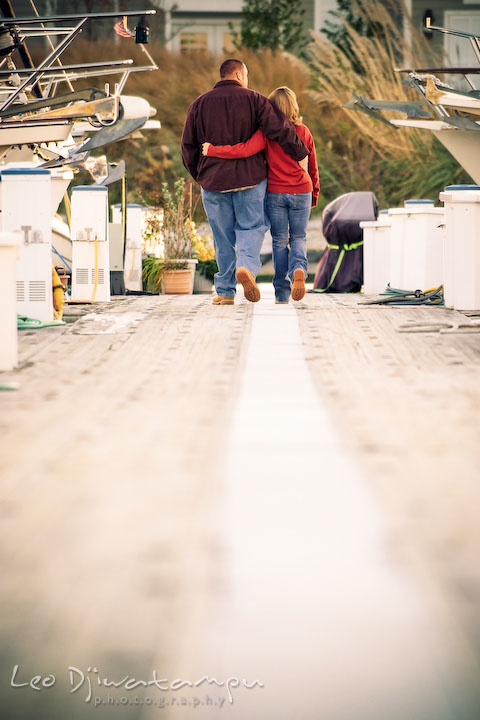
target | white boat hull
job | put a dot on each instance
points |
(464, 145)
(33, 133)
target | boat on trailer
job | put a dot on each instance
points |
(31, 109)
(46, 122)
(451, 114)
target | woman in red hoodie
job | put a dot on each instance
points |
(291, 193)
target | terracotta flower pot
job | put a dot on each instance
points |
(191, 264)
(177, 282)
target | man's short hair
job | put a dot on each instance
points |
(230, 66)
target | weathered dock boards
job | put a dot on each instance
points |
(123, 466)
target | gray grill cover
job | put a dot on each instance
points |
(341, 227)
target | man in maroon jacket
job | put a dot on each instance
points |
(233, 191)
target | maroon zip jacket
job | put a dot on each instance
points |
(226, 115)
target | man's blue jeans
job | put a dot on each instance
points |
(237, 219)
(289, 214)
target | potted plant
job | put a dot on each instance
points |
(173, 271)
(168, 276)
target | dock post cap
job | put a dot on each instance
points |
(418, 201)
(462, 187)
(25, 171)
(89, 187)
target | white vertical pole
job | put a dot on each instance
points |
(407, 32)
(116, 8)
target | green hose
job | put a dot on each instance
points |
(9, 386)
(27, 323)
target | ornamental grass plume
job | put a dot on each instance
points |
(169, 224)
(356, 151)
(176, 228)
(369, 71)
(152, 236)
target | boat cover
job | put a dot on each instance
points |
(340, 268)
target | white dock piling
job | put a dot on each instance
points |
(462, 246)
(9, 252)
(26, 209)
(417, 237)
(133, 249)
(376, 253)
(90, 250)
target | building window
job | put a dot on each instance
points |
(190, 41)
(228, 46)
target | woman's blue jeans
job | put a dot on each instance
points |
(237, 219)
(288, 214)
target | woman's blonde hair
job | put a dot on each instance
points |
(286, 101)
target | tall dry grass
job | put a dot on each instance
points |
(183, 77)
(355, 151)
(372, 74)
(180, 79)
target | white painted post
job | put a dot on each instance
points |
(133, 250)
(376, 254)
(9, 253)
(462, 246)
(26, 209)
(416, 259)
(90, 250)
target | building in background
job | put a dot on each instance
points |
(185, 25)
(453, 14)
(205, 25)
(463, 15)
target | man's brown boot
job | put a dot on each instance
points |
(298, 287)
(223, 300)
(250, 287)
